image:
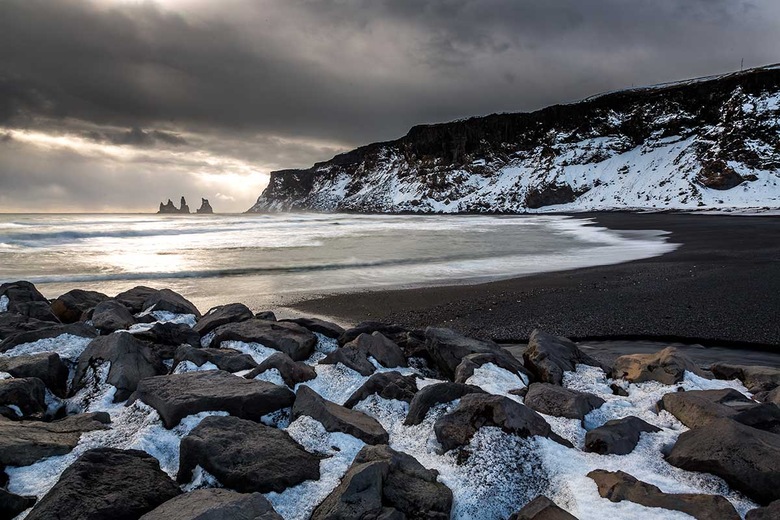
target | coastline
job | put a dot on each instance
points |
(720, 287)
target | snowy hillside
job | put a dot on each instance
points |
(698, 144)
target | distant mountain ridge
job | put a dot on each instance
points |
(705, 143)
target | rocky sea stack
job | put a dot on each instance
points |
(170, 413)
(169, 207)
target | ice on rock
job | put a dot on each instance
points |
(335, 382)
(169, 317)
(68, 346)
(206, 340)
(272, 375)
(496, 380)
(201, 479)
(297, 503)
(257, 351)
(4, 301)
(5, 375)
(189, 366)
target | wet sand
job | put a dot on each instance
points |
(721, 288)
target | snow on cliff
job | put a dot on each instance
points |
(698, 144)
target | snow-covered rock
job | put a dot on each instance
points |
(698, 144)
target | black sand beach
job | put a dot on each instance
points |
(721, 287)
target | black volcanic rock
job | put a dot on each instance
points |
(548, 357)
(437, 393)
(447, 349)
(169, 207)
(292, 372)
(11, 505)
(70, 306)
(205, 208)
(294, 340)
(167, 300)
(225, 359)
(47, 366)
(326, 328)
(755, 378)
(107, 483)
(555, 400)
(222, 315)
(51, 331)
(215, 504)
(26, 393)
(134, 298)
(667, 366)
(388, 385)
(618, 436)
(541, 508)
(110, 316)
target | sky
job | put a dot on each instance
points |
(115, 105)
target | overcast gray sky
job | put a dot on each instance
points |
(113, 105)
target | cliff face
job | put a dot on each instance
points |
(711, 142)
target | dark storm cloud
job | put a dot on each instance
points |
(287, 82)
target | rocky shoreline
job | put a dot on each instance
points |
(139, 406)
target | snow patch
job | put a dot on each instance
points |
(68, 346)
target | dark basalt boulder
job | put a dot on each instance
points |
(376, 345)
(698, 408)
(407, 485)
(222, 315)
(359, 495)
(351, 357)
(215, 504)
(558, 401)
(550, 195)
(11, 505)
(26, 393)
(47, 366)
(755, 378)
(52, 331)
(265, 315)
(176, 396)
(246, 456)
(548, 357)
(431, 395)
(326, 328)
(618, 486)
(26, 442)
(110, 316)
(26, 300)
(477, 410)
(70, 307)
(542, 508)
(447, 349)
(167, 300)
(746, 458)
(369, 327)
(772, 397)
(107, 483)
(294, 340)
(169, 335)
(667, 366)
(388, 385)
(12, 323)
(131, 361)
(770, 512)
(472, 362)
(336, 418)
(135, 298)
(225, 359)
(618, 436)
(292, 372)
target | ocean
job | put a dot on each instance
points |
(269, 260)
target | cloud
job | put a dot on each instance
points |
(286, 83)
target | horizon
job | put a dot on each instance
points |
(106, 106)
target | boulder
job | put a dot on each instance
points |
(11, 505)
(541, 508)
(770, 397)
(746, 458)
(131, 361)
(169, 301)
(292, 372)
(351, 357)
(755, 378)
(770, 512)
(169, 334)
(225, 359)
(477, 410)
(326, 328)
(135, 298)
(618, 436)
(52, 331)
(386, 352)
(28, 394)
(618, 486)
(667, 366)
(698, 408)
(551, 399)
(110, 316)
(47, 366)
(431, 395)
(266, 315)
(222, 315)
(472, 362)
(407, 485)
(294, 340)
(215, 504)
(246, 456)
(548, 357)
(359, 495)
(107, 483)
(25, 442)
(70, 307)
(388, 385)
(369, 327)
(336, 418)
(26, 300)
(447, 349)
(176, 396)
(12, 323)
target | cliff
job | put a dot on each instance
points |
(705, 143)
